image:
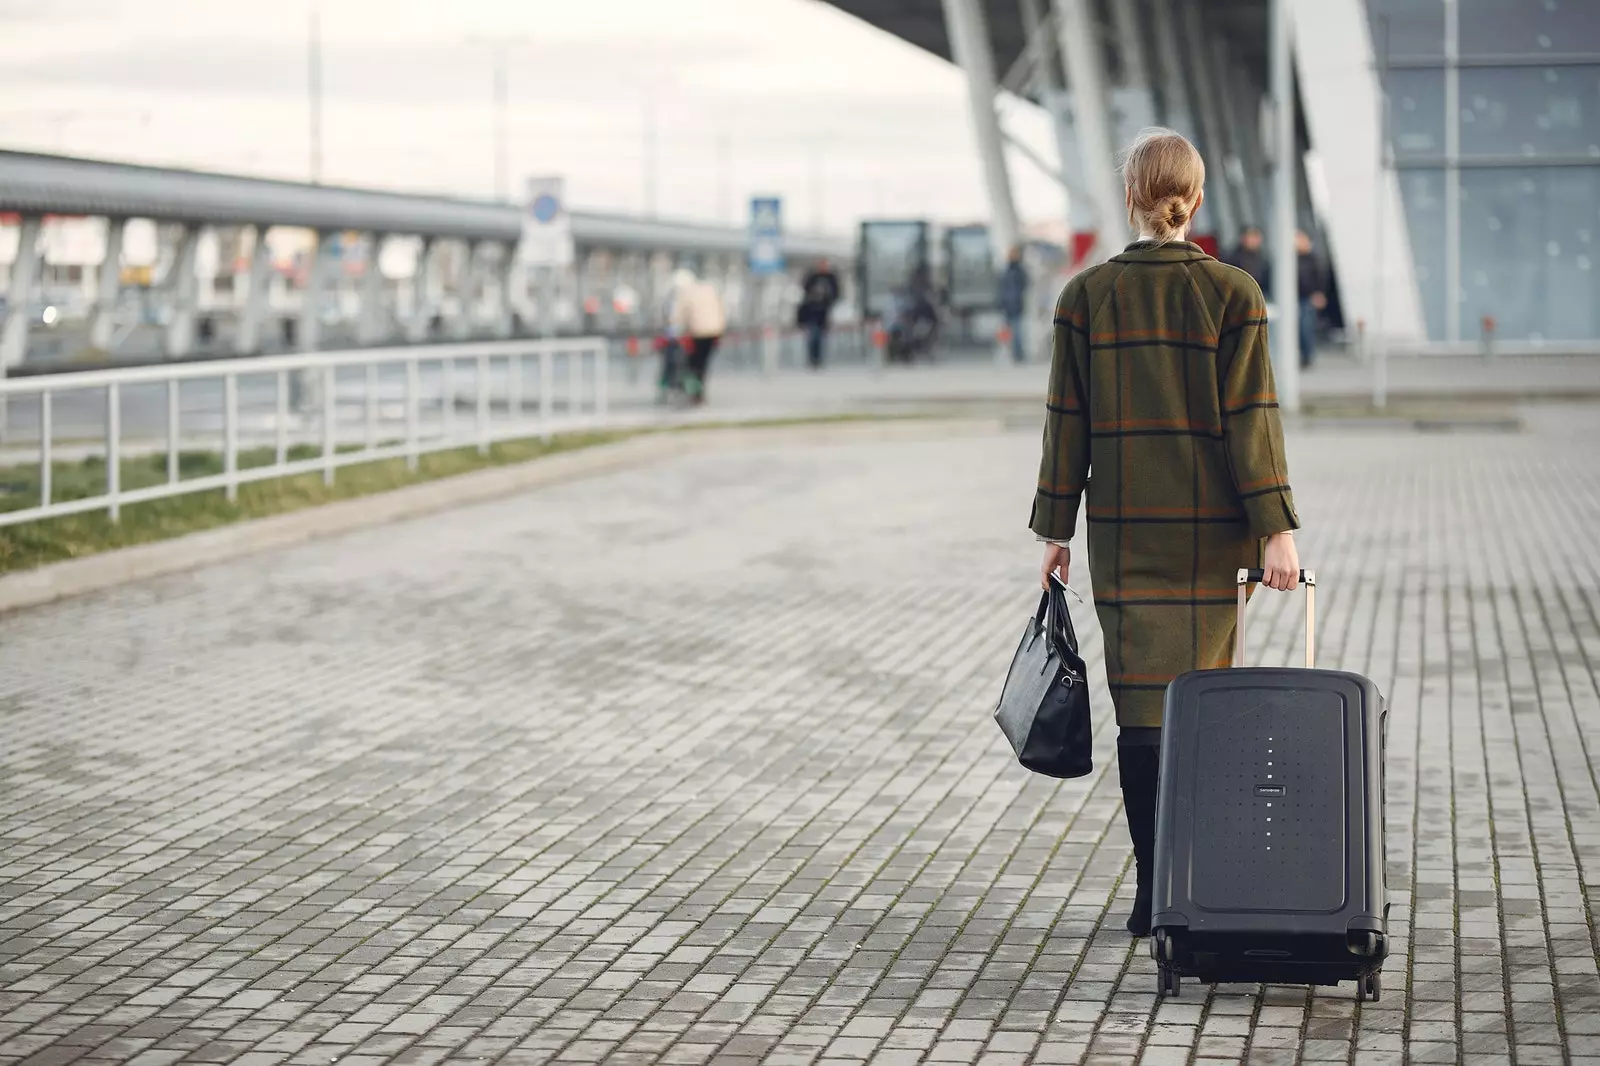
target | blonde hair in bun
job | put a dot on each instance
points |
(1163, 174)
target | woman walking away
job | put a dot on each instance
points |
(1160, 382)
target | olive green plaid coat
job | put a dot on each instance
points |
(1161, 387)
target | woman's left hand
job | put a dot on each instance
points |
(1056, 556)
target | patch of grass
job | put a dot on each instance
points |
(49, 540)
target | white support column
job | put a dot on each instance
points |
(373, 321)
(505, 304)
(969, 42)
(462, 279)
(424, 289)
(1047, 86)
(584, 270)
(1452, 171)
(545, 280)
(1080, 44)
(247, 341)
(19, 294)
(311, 299)
(1285, 328)
(606, 287)
(181, 287)
(1177, 108)
(1135, 106)
(649, 299)
(306, 390)
(1221, 194)
(108, 287)
(1177, 91)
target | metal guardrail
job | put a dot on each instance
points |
(406, 402)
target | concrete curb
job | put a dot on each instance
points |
(75, 577)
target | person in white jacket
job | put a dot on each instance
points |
(700, 321)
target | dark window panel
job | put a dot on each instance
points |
(1530, 111)
(1406, 27)
(1530, 251)
(1534, 27)
(1416, 113)
(1422, 195)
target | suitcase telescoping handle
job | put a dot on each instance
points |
(1308, 578)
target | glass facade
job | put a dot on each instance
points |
(1518, 153)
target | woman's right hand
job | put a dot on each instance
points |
(1280, 563)
(1057, 557)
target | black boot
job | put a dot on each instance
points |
(1139, 766)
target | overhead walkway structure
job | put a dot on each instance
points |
(467, 280)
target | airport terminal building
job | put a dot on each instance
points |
(1449, 150)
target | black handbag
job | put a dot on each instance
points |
(1044, 707)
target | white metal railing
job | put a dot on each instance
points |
(342, 407)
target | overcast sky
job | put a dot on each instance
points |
(789, 97)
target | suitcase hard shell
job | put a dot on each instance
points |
(1269, 849)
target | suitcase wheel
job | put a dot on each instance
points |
(1371, 987)
(1371, 945)
(1170, 983)
(1162, 943)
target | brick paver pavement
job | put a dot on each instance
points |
(694, 762)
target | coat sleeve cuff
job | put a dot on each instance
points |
(1272, 513)
(1055, 518)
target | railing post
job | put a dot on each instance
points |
(330, 419)
(283, 417)
(372, 406)
(547, 387)
(173, 426)
(114, 450)
(447, 401)
(574, 382)
(483, 404)
(514, 387)
(230, 437)
(412, 443)
(602, 381)
(46, 467)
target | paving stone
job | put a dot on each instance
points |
(693, 763)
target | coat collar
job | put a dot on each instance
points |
(1151, 252)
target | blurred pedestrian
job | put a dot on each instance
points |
(820, 291)
(1248, 257)
(1313, 297)
(670, 383)
(1173, 512)
(700, 321)
(1013, 299)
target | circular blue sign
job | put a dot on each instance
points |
(546, 207)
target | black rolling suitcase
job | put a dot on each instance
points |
(1269, 829)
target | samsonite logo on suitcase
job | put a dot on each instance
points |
(1269, 852)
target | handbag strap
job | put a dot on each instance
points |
(1059, 631)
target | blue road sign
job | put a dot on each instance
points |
(766, 235)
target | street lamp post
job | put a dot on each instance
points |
(502, 148)
(314, 89)
(499, 56)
